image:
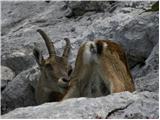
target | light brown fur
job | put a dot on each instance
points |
(101, 68)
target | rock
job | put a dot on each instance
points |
(146, 74)
(130, 105)
(132, 31)
(150, 82)
(18, 61)
(79, 8)
(18, 93)
(142, 108)
(151, 64)
(6, 76)
(19, 28)
(4, 83)
(123, 24)
(153, 59)
(135, 36)
(33, 76)
(7, 73)
(12, 20)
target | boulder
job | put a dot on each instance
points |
(150, 65)
(80, 8)
(6, 76)
(124, 25)
(7, 73)
(18, 61)
(118, 105)
(33, 76)
(144, 107)
(24, 9)
(132, 31)
(76, 9)
(18, 93)
(141, 32)
(4, 83)
(150, 82)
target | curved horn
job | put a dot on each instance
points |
(48, 42)
(66, 49)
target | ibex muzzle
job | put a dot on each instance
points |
(55, 72)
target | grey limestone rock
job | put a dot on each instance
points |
(6, 76)
(18, 61)
(150, 65)
(7, 73)
(149, 82)
(18, 93)
(130, 105)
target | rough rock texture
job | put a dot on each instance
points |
(76, 9)
(150, 82)
(18, 61)
(33, 76)
(80, 21)
(147, 74)
(131, 30)
(123, 25)
(144, 107)
(151, 64)
(7, 73)
(18, 93)
(6, 76)
(120, 105)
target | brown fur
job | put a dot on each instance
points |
(107, 73)
(55, 72)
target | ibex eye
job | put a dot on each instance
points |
(65, 80)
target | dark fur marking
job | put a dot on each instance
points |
(99, 47)
(93, 90)
(55, 96)
(104, 89)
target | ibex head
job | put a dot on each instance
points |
(55, 72)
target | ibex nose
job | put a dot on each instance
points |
(65, 80)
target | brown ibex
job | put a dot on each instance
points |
(55, 72)
(101, 68)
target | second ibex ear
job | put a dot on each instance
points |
(38, 56)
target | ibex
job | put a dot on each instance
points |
(101, 68)
(55, 72)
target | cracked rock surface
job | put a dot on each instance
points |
(80, 21)
(118, 105)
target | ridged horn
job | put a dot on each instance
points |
(48, 42)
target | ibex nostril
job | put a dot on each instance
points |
(65, 80)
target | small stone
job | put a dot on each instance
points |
(6, 73)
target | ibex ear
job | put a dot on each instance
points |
(38, 56)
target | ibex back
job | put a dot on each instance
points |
(55, 72)
(101, 68)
